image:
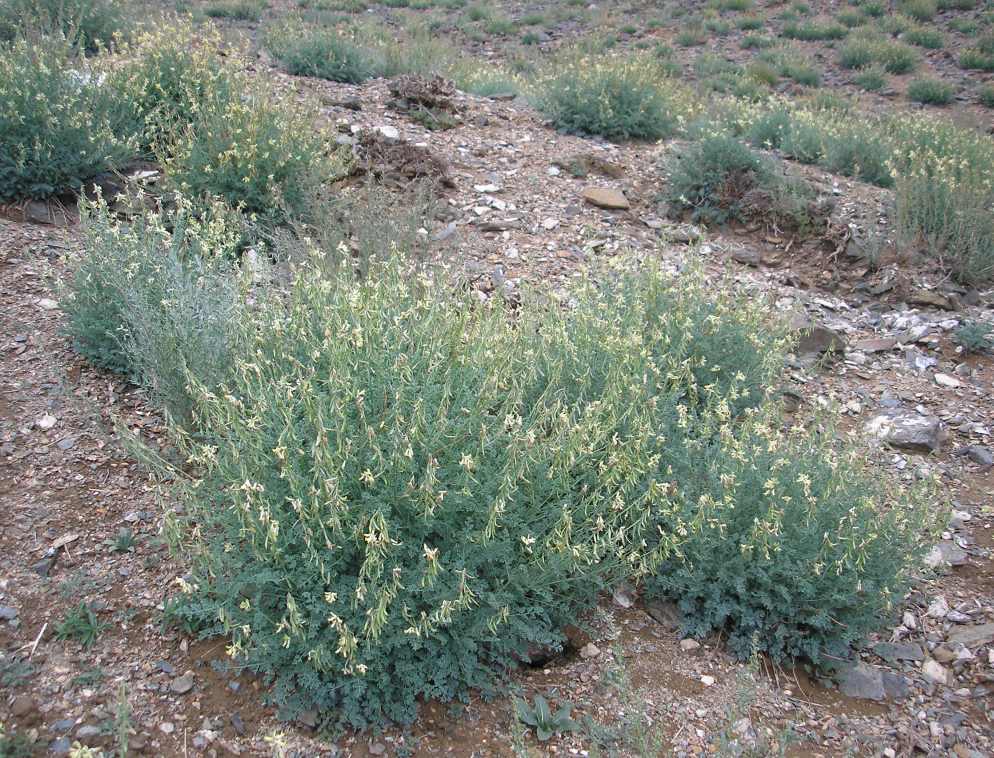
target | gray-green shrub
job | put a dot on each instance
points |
(59, 124)
(88, 23)
(615, 98)
(323, 52)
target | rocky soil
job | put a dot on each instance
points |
(521, 205)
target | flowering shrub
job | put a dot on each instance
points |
(794, 547)
(59, 124)
(260, 152)
(157, 298)
(88, 23)
(170, 72)
(401, 492)
(931, 92)
(615, 98)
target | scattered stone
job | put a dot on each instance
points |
(814, 341)
(898, 651)
(938, 608)
(666, 614)
(973, 636)
(688, 645)
(61, 746)
(623, 596)
(861, 680)
(389, 133)
(46, 422)
(45, 565)
(88, 732)
(896, 686)
(931, 299)
(167, 727)
(48, 304)
(22, 706)
(182, 684)
(590, 650)
(377, 748)
(907, 430)
(8, 613)
(63, 725)
(237, 724)
(945, 380)
(747, 256)
(978, 454)
(605, 197)
(876, 345)
(707, 681)
(935, 672)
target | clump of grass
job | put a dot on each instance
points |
(925, 36)
(617, 98)
(691, 35)
(985, 96)
(756, 42)
(80, 624)
(931, 92)
(919, 10)
(975, 337)
(59, 126)
(980, 57)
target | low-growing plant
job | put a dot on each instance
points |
(756, 42)
(262, 153)
(925, 36)
(91, 24)
(931, 92)
(796, 548)
(616, 98)
(539, 716)
(871, 79)
(894, 57)
(238, 10)
(58, 125)
(322, 52)
(975, 336)
(985, 95)
(80, 624)
(124, 541)
(810, 31)
(919, 10)
(157, 298)
(15, 744)
(719, 179)
(691, 35)
(975, 58)
(168, 74)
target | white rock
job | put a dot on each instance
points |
(935, 671)
(389, 132)
(46, 422)
(48, 304)
(938, 608)
(946, 380)
(908, 620)
(590, 650)
(707, 681)
(550, 223)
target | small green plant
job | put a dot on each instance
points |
(15, 744)
(719, 180)
(326, 53)
(811, 31)
(89, 678)
(59, 126)
(80, 624)
(975, 336)
(238, 10)
(616, 98)
(124, 541)
(540, 717)
(977, 59)
(931, 92)
(691, 35)
(985, 96)
(871, 79)
(122, 722)
(15, 672)
(919, 10)
(864, 51)
(925, 36)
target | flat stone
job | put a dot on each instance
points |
(8, 613)
(973, 636)
(814, 340)
(907, 430)
(935, 672)
(88, 732)
(689, 645)
(182, 684)
(666, 614)
(979, 454)
(61, 746)
(876, 345)
(862, 681)
(22, 706)
(898, 651)
(605, 197)
(590, 650)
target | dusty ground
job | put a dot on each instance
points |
(514, 215)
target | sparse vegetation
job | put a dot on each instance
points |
(931, 92)
(81, 625)
(91, 24)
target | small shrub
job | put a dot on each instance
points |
(850, 18)
(874, 8)
(168, 75)
(80, 624)
(616, 98)
(750, 23)
(857, 54)
(986, 96)
(756, 42)
(931, 92)
(864, 51)
(322, 52)
(897, 58)
(719, 179)
(811, 31)
(975, 336)
(919, 10)
(238, 10)
(871, 79)
(88, 23)
(59, 125)
(976, 59)
(796, 548)
(691, 36)
(924, 36)
(540, 717)
(157, 298)
(261, 153)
